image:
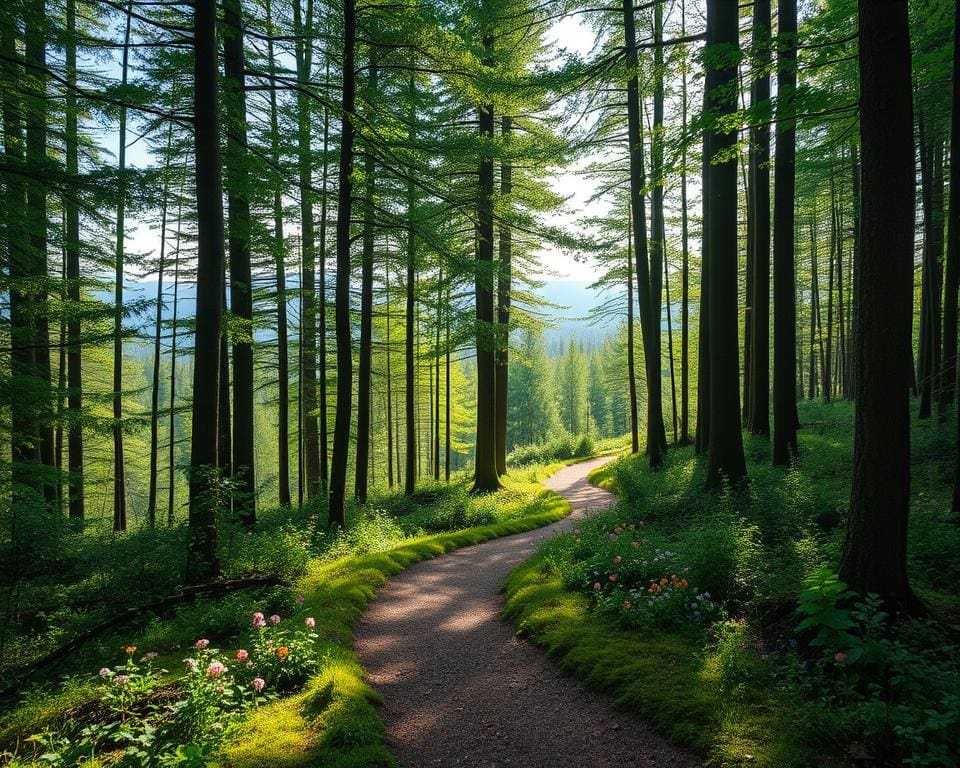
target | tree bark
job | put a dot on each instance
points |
(410, 458)
(503, 308)
(952, 278)
(875, 550)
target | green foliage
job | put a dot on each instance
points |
(820, 605)
(560, 447)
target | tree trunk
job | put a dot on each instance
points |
(241, 287)
(171, 447)
(952, 279)
(202, 561)
(875, 551)
(631, 363)
(341, 429)
(322, 316)
(389, 344)
(703, 349)
(72, 212)
(366, 312)
(784, 281)
(727, 462)
(685, 246)
(503, 309)
(760, 231)
(410, 458)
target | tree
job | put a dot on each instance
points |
(202, 560)
(784, 297)
(874, 555)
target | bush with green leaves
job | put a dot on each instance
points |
(561, 448)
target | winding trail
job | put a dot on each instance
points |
(460, 689)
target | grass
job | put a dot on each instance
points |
(743, 688)
(332, 721)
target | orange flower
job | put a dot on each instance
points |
(683, 582)
(131, 649)
(664, 582)
(282, 652)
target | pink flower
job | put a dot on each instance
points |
(612, 577)
(258, 620)
(242, 655)
(259, 684)
(202, 643)
(576, 531)
(618, 529)
(617, 560)
(840, 656)
(105, 672)
(121, 679)
(215, 669)
(310, 622)
(613, 537)
(274, 619)
(596, 585)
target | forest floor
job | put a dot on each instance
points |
(458, 686)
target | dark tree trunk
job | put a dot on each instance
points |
(322, 305)
(410, 417)
(703, 349)
(503, 309)
(366, 313)
(436, 390)
(202, 561)
(241, 287)
(760, 231)
(283, 359)
(931, 173)
(341, 429)
(72, 251)
(685, 245)
(446, 371)
(644, 268)
(673, 372)
(388, 345)
(658, 241)
(631, 363)
(828, 360)
(308, 339)
(727, 462)
(855, 271)
(172, 427)
(784, 281)
(119, 480)
(486, 477)
(948, 385)
(814, 310)
(874, 555)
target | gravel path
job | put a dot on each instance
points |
(460, 689)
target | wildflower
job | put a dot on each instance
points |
(664, 582)
(215, 669)
(202, 643)
(577, 540)
(259, 684)
(310, 622)
(576, 531)
(149, 656)
(596, 585)
(612, 577)
(191, 664)
(684, 582)
(105, 672)
(632, 527)
(300, 599)
(613, 537)
(274, 619)
(242, 655)
(121, 679)
(283, 652)
(627, 605)
(131, 649)
(840, 656)
(636, 545)
(258, 620)
(617, 559)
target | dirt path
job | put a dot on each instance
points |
(460, 689)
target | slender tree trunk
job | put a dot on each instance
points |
(727, 462)
(389, 344)
(410, 467)
(202, 561)
(322, 317)
(436, 368)
(503, 308)
(280, 271)
(341, 430)
(119, 480)
(855, 270)
(155, 383)
(631, 363)
(828, 362)
(685, 246)
(658, 242)
(446, 370)
(703, 349)
(760, 222)
(673, 377)
(784, 281)
(874, 555)
(366, 312)
(72, 212)
(241, 279)
(952, 279)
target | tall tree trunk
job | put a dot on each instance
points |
(685, 246)
(366, 312)
(784, 280)
(952, 279)
(828, 362)
(673, 377)
(172, 427)
(486, 477)
(760, 230)
(410, 458)
(283, 359)
(72, 212)
(119, 480)
(241, 279)
(703, 349)
(389, 344)
(436, 368)
(658, 242)
(158, 333)
(503, 307)
(727, 462)
(644, 268)
(874, 555)
(855, 270)
(322, 306)
(446, 371)
(303, 28)
(631, 363)
(202, 561)
(341, 430)
(931, 169)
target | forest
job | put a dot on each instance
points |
(648, 310)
